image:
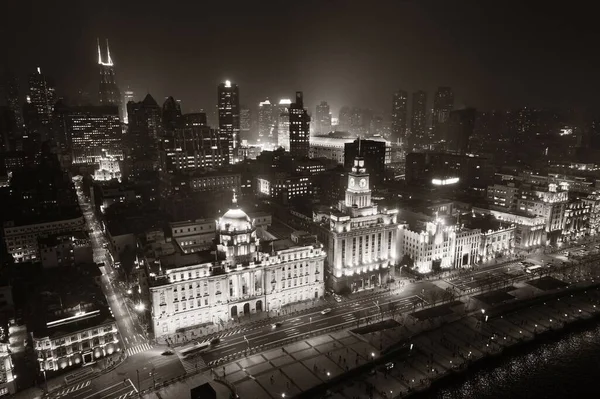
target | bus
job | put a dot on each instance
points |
(531, 269)
(194, 350)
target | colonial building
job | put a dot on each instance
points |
(529, 229)
(243, 276)
(440, 246)
(361, 245)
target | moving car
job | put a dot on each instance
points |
(276, 325)
(337, 298)
(325, 311)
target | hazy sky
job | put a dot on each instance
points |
(492, 53)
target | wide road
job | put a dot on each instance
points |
(130, 329)
(348, 313)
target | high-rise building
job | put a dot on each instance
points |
(361, 245)
(418, 123)
(245, 123)
(460, 129)
(42, 97)
(94, 131)
(13, 100)
(229, 118)
(283, 123)
(108, 91)
(375, 156)
(143, 135)
(128, 96)
(171, 114)
(266, 124)
(299, 128)
(399, 116)
(443, 103)
(191, 146)
(323, 118)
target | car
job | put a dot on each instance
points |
(325, 311)
(338, 298)
(167, 353)
(277, 325)
(215, 341)
(389, 365)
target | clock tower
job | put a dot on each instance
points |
(358, 192)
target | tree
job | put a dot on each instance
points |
(407, 261)
(393, 307)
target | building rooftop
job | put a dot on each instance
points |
(70, 299)
(482, 222)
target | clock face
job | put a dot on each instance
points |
(362, 182)
(352, 182)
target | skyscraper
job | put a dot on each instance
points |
(171, 114)
(283, 124)
(143, 133)
(13, 100)
(323, 116)
(128, 96)
(460, 129)
(419, 119)
(41, 96)
(108, 91)
(442, 105)
(299, 128)
(266, 123)
(94, 130)
(229, 118)
(245, 123)
(399, 115)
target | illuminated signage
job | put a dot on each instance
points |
(445, 182)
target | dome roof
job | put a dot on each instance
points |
(235, 219)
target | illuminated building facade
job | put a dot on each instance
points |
(418, 125)
(283, 124)
(229, 119)
(8, 383)
(42, 96)
(529, 229)
(299, 128)
(283, 187)
(362, 239)
(266, 124)
(109, 168)
(95, 132)
(109, 93)
(246, 277)
(323, 118)
(440, 246)
(399, 116)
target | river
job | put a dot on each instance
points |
(561, 366)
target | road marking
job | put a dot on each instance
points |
(105, 389)
(138, 349)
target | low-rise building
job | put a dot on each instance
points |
(66, 249)
(530, 229)
(22, 238)
(71, 323)
(283, 187)
(242, 276)
(497, 237)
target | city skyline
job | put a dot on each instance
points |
(347, 67)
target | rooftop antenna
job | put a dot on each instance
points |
(99, 52)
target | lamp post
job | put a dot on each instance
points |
(138, 381)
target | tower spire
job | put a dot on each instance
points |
(359, 146)
(234, 200)
(99, 52)
(109, 60)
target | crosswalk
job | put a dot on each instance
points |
(138, 349)
(72, 389)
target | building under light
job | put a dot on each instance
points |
(243, 276)
(8, 378)
(229, 119)
(361, 245)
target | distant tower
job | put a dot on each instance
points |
(418, 123)
(229, 119)
(109, 93)
(399, 115)
(41, 96)
(323, 115)
(443, 103)
(128, 96)
(299, 128)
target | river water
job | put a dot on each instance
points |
(564, 366)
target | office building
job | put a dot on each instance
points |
(245, 276)
(438, 169)
(283, 124)
(283, 187)
(459, 130)
(399, 117)
(418, 123)
(266, 124)
(323, 118)
(229, 119)
(93, 132)
(361, 245)
(13, 100)
(443, 103)
(127, 97)
(109, 93)
(245, 124)
(299, 128)
(143, 133)
(42, 96)
(8, 378)
(171, 115)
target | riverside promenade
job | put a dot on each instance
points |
(422, 346)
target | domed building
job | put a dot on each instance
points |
(244, 275)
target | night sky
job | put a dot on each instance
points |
(495, 55)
